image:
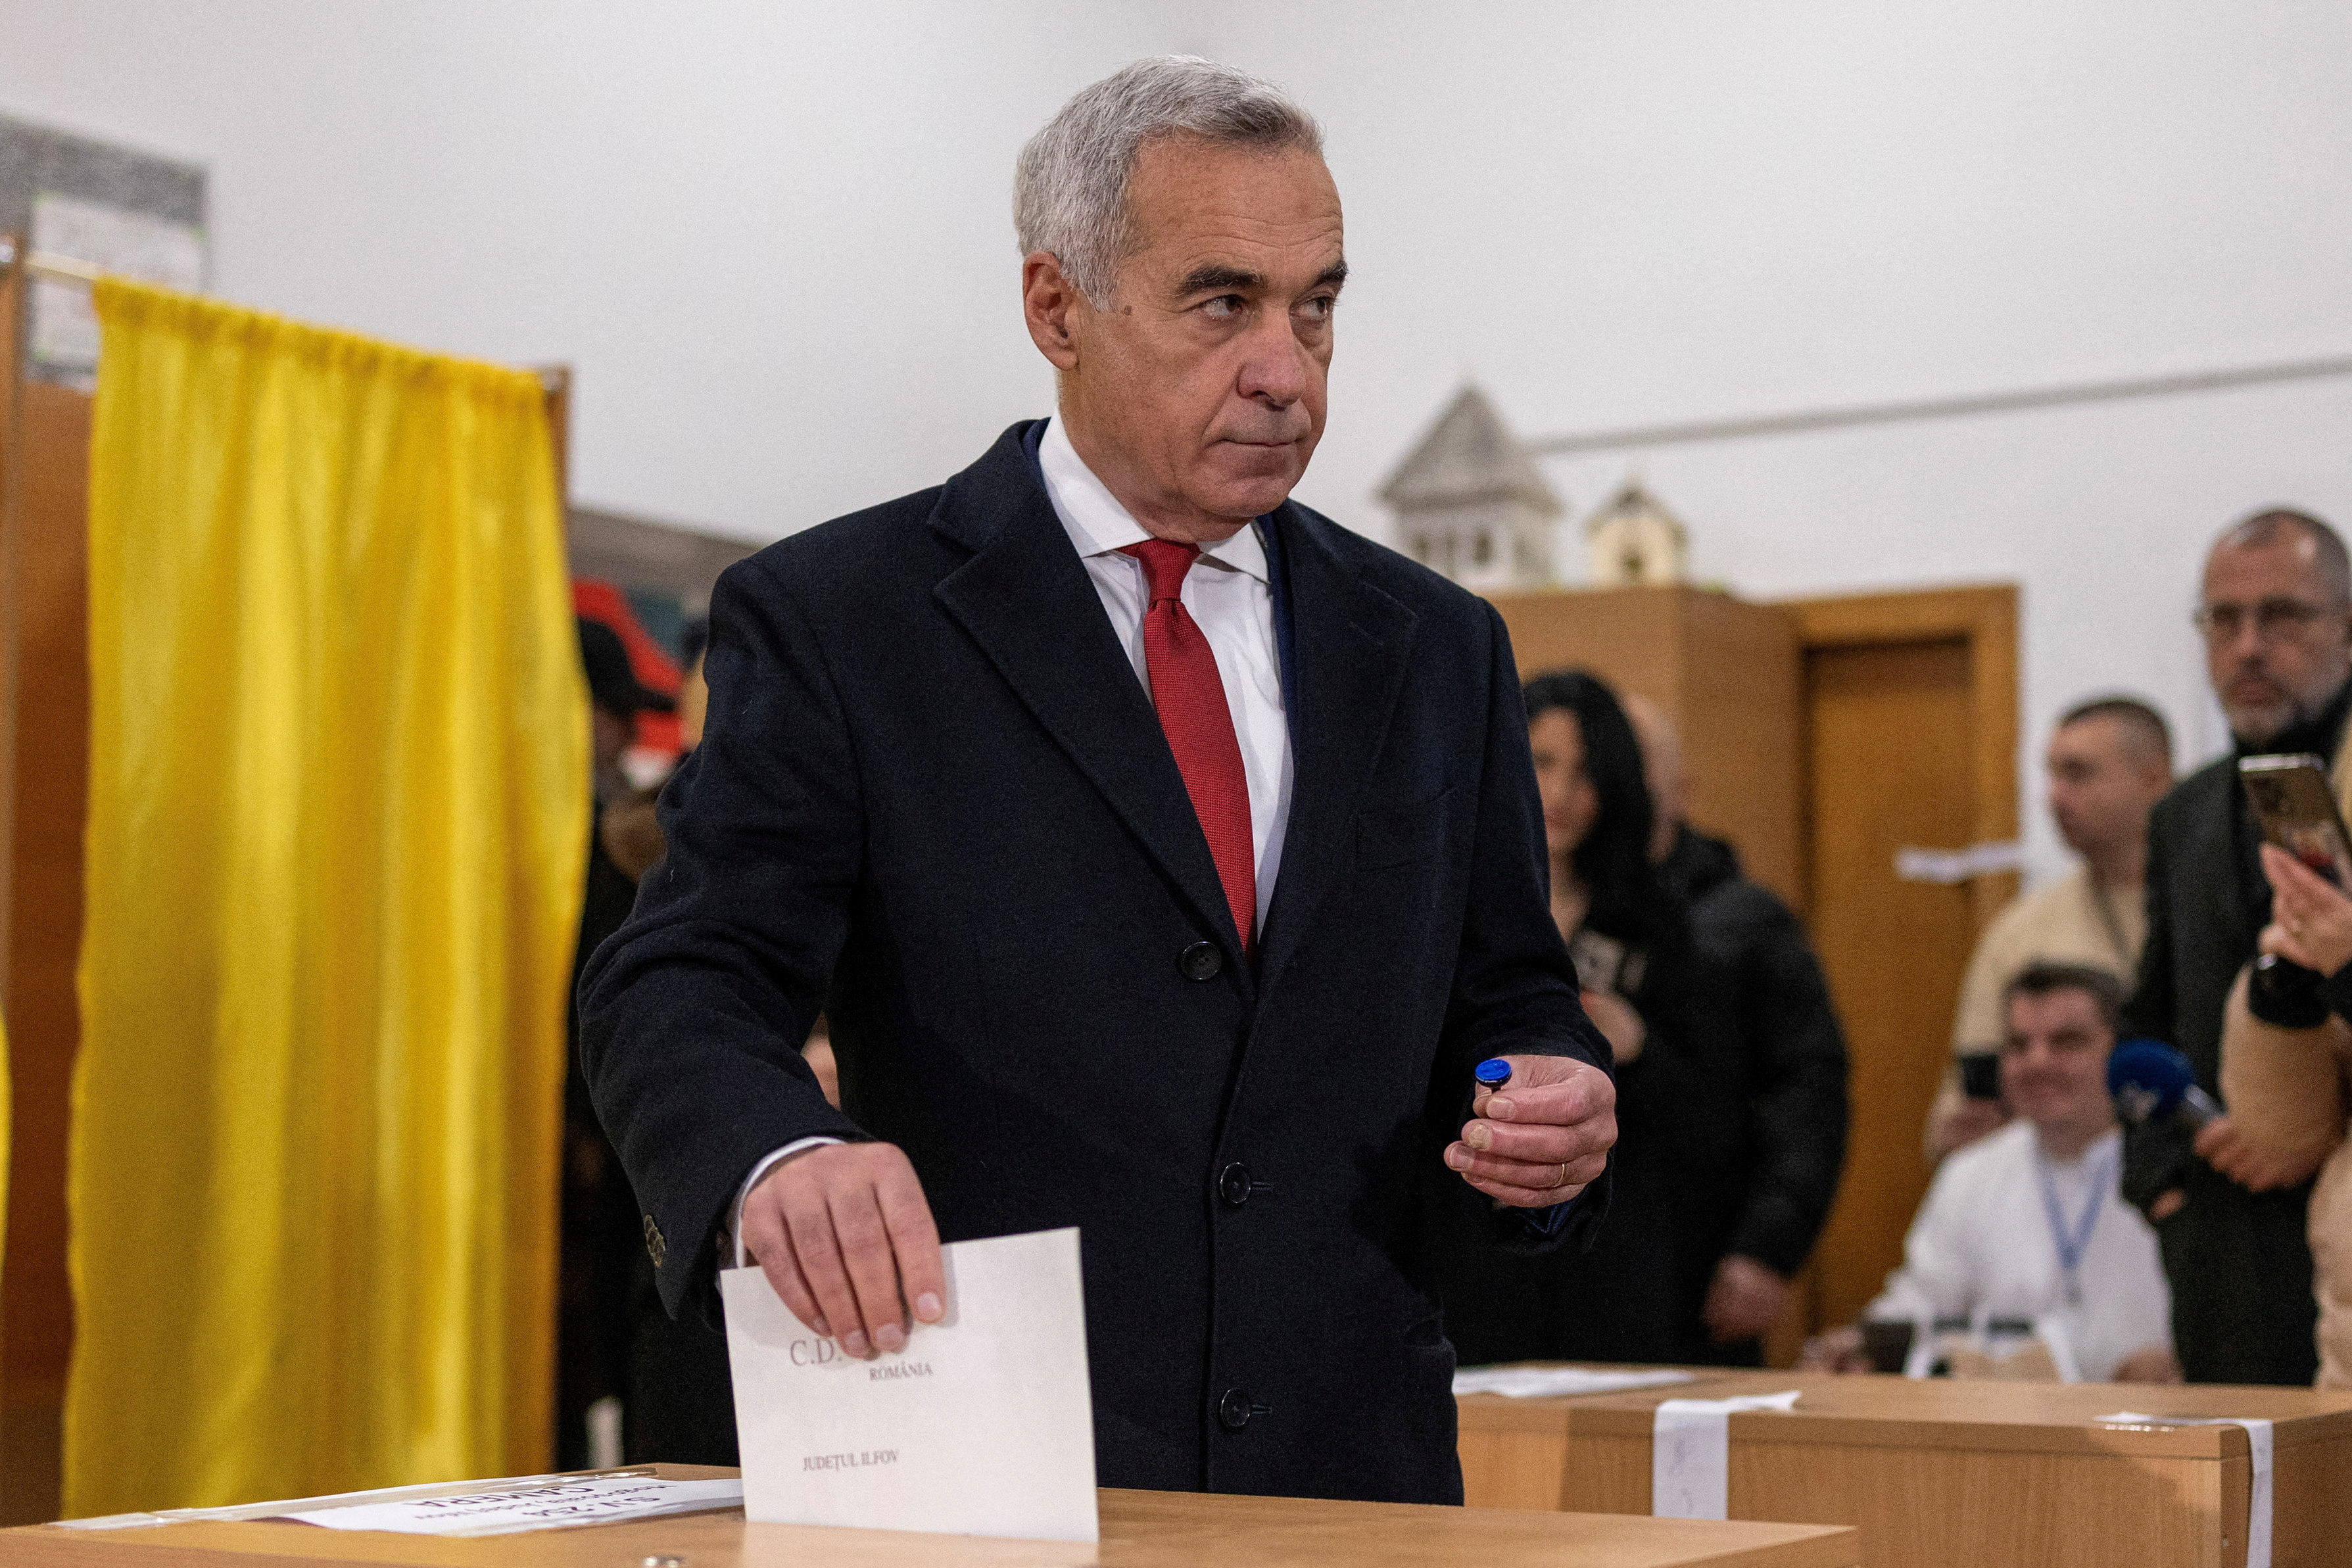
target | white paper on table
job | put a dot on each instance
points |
(1551, 1382)
(553, 1505)
(983, 1425)
(1690, 1453)
(284, 1506)
(2260, 1443)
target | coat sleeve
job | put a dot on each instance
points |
(693, 1014)
(2155, 1158)
(2148, 1010)
(1799, 1088)
(2282, 1086)
(1514, 989)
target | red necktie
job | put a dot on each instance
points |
(1191, 697)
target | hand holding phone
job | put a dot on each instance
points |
(1981, 1074)
(2307, 858)
(2296, 810)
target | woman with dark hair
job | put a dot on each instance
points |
(1631, 945)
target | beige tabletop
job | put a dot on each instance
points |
(1140, 1529)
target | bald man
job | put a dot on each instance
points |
(2110, 760)
(1759, 1160)
(2276, 615)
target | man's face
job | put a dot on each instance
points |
(2277, 640)
(1197, 394)
(2053, 1064)
(2102, 784)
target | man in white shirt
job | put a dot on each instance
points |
(2110, 760)
(2027, 1224)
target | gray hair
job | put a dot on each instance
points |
(1069, 190)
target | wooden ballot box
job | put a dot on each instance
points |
(1939, 1472)
(1140, 1529)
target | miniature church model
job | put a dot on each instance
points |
(1470, 503)
(1635, 541)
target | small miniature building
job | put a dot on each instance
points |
(1634, 542)
(1471, 504)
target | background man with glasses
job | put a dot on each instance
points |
(2276, 615)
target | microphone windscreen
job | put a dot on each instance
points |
(2148, 1080)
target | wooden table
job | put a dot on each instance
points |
(1938, 1471)
(1140, 1529)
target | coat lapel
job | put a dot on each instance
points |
(1025, 598)
(1349, 642)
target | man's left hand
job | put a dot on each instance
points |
(1543, 1137)
(1743, 1300)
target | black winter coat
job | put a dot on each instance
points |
(931, 776)
(1761, 1139)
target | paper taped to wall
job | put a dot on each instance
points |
(1948, 868)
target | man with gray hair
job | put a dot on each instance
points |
(1165, 856)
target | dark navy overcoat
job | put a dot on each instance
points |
(932, 795)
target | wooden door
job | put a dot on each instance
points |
(1910, 703)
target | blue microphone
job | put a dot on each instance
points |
(2150, 1081)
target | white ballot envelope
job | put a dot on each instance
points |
(982, 1426)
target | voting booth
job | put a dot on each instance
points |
(1942, 1473)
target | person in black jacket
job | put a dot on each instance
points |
(1632, 942)
(2277, 615)
(1763, 1140)
(1165, 856)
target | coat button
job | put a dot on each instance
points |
(1200, 961)
(654, 1245)
(1235, 1409)
(1233, 1184)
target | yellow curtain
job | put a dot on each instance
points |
(338, 817)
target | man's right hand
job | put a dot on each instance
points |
(846, 1240)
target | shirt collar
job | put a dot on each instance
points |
(1098, 523)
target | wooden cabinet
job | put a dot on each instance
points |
(1727, 672)
(1939, 1473)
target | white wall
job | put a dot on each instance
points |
(1619, 215)
(773, 238)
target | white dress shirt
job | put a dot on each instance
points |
(1230, 595)
(1981, 1247)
